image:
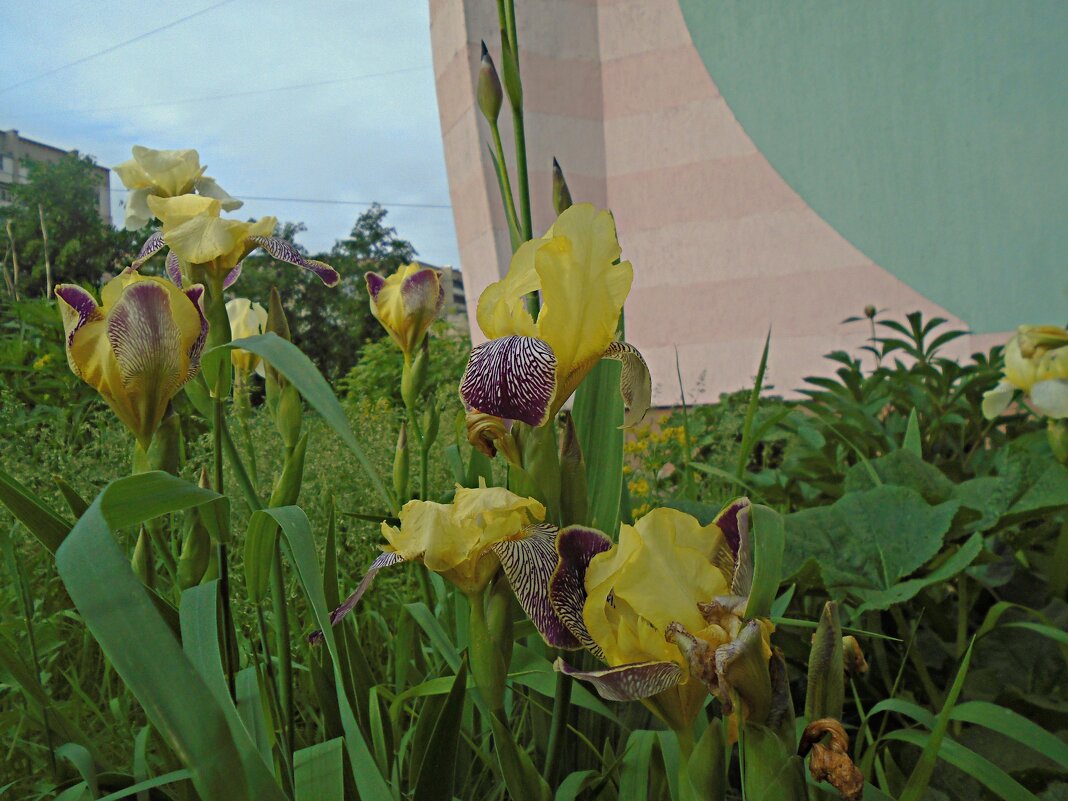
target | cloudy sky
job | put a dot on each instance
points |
(327, 101)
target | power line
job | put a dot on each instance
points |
(331, 202)
(114, 47)
(227, 95)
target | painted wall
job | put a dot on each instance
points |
(931, 135)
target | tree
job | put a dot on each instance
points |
(82, 247)
(329, 324)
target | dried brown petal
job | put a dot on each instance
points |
(831, 763)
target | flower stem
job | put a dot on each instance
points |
(223, 556)
(506, 189)
(558, 727)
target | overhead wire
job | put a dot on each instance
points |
(335, 202)
(113, 48)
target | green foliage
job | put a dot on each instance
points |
(82, 247)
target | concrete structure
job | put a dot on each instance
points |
(15, 149)
(779, 216)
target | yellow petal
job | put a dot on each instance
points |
(173, 171)
(429, 532)
(582, 292)
(502, 307)
(406, 303)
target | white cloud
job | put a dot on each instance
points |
(359, 139)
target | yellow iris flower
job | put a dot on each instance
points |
(406, 303)
(138, 347)
(529, 368)
(199, 237)
(165, 173)
(1036, 361)
(247, 319)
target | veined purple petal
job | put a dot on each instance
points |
(145, 338)
(423, 290)
(575, 546)
(284, 251)
(78, 307)
(513, 377)
(627, 682)
(153, 245)
(375, 282)
(232, 276)
(733, 521)
(635, 383)
(528, 564)
(195, 294)
(174, 269)
(383, 560)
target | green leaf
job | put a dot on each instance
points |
(1014, 725)
(149, 784)
(320, 772)
(75, 502)
(933, 744)
(706, 769)
(520, 775)
(82, 761)
(902, 468)
(769, 541)
(49, 528)
(437, 770)
(637, 765)
(301, 547)
(867, 541)
(905, 590)
(299, 370)
(573, 785)
(121, 616)
(598, 415)
(911, 443)
(438, 638)
(978, 767)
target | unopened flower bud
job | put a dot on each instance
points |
(413, 377)
(277, 324)
(826, 680)
(853, 658)
(143, 563)
(431, 422)
(870, 311)
(561, 194)
(401, 464)
(573, 485)
(489, 88)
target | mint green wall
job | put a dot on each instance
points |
(932, 135)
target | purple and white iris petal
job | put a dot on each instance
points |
(528, 563)
(195, 294)
(635, 383)
(733, 521)
(383, 560)
(284, 251)
(174, 269)
(627, 682)
(146, 340)
(575, 546)
(78, 307)
(153, 245)
(422, 290)
(232, 276)
(513, 377)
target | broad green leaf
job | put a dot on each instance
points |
(706, 769)
(978, 767)
(768, 537)
(905, 590)
(320, 772)
(867, 541)
(40, 520)
(437, 769)
(902, 468)
(144, 652)
(598, 415)
(299, 370)
(82, 761)
(574, 784)
(769, 771)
